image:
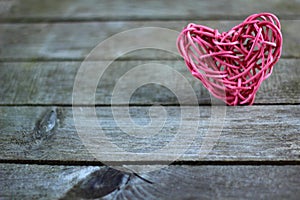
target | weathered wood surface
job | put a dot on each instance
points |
(254, 133)
(172, 182)
(53, 10)
(52, 83)
(53, 41)
(42, 44)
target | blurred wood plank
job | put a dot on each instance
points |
(250, 133)
(51, 83)
(51, 10)
(172, 182)
(38, 181)
(73, 41)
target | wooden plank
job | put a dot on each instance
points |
(172, 182)
(131, 10)
(251, 133)
(52, 83)
(75, 40)
(38, 181)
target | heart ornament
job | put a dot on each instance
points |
(232, 65)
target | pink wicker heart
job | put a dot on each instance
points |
(232, 65)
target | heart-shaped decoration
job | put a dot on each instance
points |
(232, 65)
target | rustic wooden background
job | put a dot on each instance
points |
(42, 44)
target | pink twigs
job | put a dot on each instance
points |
(232, 65)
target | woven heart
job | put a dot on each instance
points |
(232, 65)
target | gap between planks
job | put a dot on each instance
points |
(175, 163)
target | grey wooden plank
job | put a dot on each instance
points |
(38, 181)
(52, 83)
(61, 41)
(129, 10)
(250, 133)
(172, 182)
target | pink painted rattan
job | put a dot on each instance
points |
(232, 65)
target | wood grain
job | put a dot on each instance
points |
(51, 83)
(73, 41)
(42, 44)
(50, 10)
(172, 182)
(39, 182)
(253, 133)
